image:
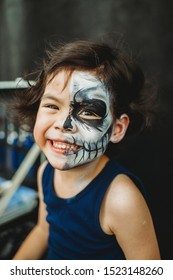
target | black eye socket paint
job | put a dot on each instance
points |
(95, 106)
(81, 103)
(92, 111)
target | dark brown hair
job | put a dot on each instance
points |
(129, 91)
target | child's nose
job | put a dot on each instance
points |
(66, 124)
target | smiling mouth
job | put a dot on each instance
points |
(65, 147)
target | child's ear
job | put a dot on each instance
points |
(119, 128)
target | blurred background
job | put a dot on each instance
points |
(27, 27)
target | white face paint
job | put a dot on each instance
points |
(90, 114)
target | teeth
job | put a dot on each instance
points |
(65, 146)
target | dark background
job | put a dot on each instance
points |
(26, 27)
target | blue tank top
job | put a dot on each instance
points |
(74, 228)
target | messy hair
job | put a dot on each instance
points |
(130, 92)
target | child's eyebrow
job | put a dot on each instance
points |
(49, 96)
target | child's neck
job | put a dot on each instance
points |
(70, 182)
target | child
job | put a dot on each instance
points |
(86, 96)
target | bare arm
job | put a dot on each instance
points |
(130, 221)
(35, 244)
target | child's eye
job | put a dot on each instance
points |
(88, 115)
(51, 106)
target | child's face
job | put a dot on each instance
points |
(74, 122)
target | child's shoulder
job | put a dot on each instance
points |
(122, 203)
(123, 192)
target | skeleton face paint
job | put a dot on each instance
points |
(90, 114)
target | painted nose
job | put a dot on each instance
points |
(68, 124)
(65, 124)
